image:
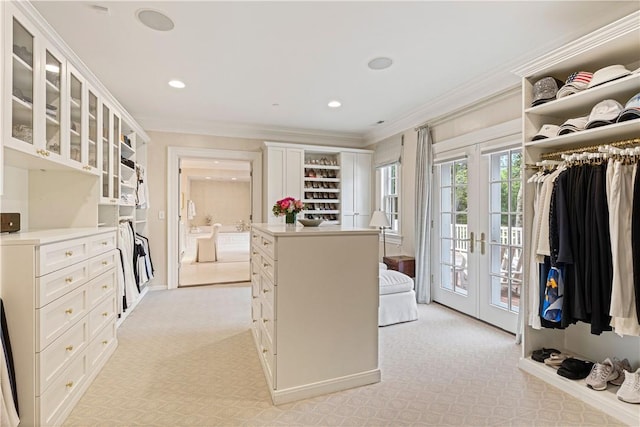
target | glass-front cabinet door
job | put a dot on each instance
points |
(92, 131)
(115, 150)
(105, 147)
(53, 69)
(22, 83)
(75, 116)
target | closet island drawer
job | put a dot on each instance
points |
(100, 287)
(101, 315)
(101, 344)
(268, 246)
(55, 318)
(268, 268)
(53, 359)
(54, 401)
(54, 285)
(102, 243)
(58, 255)
(102, 263)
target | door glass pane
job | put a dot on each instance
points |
(506, 229)
(106, 148)
(52, 94)
(75, 128)
(93, 130)
(115, 150)
(22, 85)
(454, 232)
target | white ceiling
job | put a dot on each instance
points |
(240, 58)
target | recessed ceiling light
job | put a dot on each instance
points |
(208, 177)
(234, 178)
(334, 104)
(52, 68)
(380, 63)
(155, 20)
(177, 84)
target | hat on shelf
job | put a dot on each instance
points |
(576, 82)
(631, 109)
(607, 74)
(545, 90)
(573, 125)
(546, 131)
(604, 113)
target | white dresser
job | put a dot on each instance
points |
(315, 308)
(58, 288)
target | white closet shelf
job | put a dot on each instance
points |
(326, 167)
(602, 134)
(606, 400)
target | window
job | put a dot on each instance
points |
(389, 194)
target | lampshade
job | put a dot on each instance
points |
(379, 219)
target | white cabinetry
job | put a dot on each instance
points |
(315, 308)
(618, 43)
(58, 288)
(283, 172)
(356, 189)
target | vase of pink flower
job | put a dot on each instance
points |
(289, 207)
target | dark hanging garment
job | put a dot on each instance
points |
(635, 238)
(8, 355)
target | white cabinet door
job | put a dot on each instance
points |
(294, 173)
(356, 189)
(284, 168)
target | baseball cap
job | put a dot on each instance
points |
(606, 74)
(573, 125)
(544, 90)
(546, 131)
(631, 109)
(576, 82)
(604, 113)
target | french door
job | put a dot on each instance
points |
(477, 234)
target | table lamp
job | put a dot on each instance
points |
(379, 219)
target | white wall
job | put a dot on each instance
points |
(227, 202)
(16, 193)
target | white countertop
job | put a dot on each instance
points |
(321, 230)
(42, 237)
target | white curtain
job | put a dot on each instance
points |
(424, 176)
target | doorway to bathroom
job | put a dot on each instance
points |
(215, 216)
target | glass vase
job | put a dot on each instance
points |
(290, 219)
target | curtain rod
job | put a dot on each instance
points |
(624, 143)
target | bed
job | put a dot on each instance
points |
(397, 298)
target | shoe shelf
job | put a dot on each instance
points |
(605, 400)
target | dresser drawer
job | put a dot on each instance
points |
(101, 344)
(55, 318)
(268, 356)
(267, 291)
(256, 239)
(256, 311)
(53, 359)
(101, 286)
(268, 268)
(268, 324)
(62, 390)
(268, 246)
(104, 313)
(255, 254)
(102, 263)
(102, 243)
(54, 285)
(58, 255)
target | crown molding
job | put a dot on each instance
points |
(252, 131)
(58, 42)
(616, 29)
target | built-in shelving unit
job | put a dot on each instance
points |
(618, 43)
(322, 186)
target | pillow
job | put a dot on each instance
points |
(382, 265)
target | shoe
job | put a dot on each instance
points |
(556, 359)
(601, 374)
(621, 366)
(575, 369)
(543, 353)
(630, 390)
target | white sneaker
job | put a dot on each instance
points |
(600, 374)
(630, 390)
(620, 366)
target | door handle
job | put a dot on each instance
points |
(471, 241)
(482, 243)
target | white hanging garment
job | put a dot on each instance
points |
(8, 414)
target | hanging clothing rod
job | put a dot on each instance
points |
(558, 154)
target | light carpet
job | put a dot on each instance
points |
(186, 357)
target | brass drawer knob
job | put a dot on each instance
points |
(69, 348)
(69, 310)
(104, 263)
(105, 286)
(264, 291)
(265, 320)
(264, 350)
(105, 342)
(105, 314)
(69, 279)
(68, 253)
(105, 243)
(69, 384)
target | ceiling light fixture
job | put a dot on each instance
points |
(155, 20)
(380, 63)
(334, 104)
(177, 84)
(208, 177)
(234, 178)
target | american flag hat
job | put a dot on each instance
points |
(576, 82)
